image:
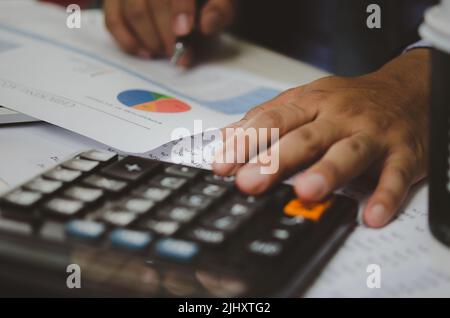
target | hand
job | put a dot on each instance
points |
(148, 28)
(348, 127)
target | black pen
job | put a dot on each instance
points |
(183, 43)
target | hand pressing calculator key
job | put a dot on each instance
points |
(139, 227)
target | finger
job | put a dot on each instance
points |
(344, 161)
(116, 25)
(139, 19)
(289, 96)
(284, 118)
(295, 149)
(216, 15)
(162, 15)
(395, 180)
(183, 13)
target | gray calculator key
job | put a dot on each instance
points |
(138, 205)
(104, 183)
(178, 214)
(211, 190)
(64, 175)
(87, 195)
(64, 207)
(118, 217)
(197, 201)
(101, 156)
(44, 186)
(207, 236)
(81, 165)
(161, 227)
(265, 248)
(153, 193)
(23, 198)
(182, 171)
(173, 183)
(226, 181)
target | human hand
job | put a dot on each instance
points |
(148, 28)
(348, 127)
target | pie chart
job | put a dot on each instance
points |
(152, 102)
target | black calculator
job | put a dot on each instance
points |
(135, 227)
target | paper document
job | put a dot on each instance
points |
(79, 80)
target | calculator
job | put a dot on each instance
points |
(136, 227)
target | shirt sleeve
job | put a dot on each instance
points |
(418, 45)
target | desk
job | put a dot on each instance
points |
(412, 263)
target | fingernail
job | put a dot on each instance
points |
(250, 179)
(144, 54)
(378, 215)
(181, 26)
(212, 22)
(312, 186)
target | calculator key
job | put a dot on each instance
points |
(292, 221)
(23, 198)
(53, 231)
(223, 222)
(131, 168)
(165, 181)
(87, 195)
(83, 229)
(265, 248)
(207, 236)
(196, 201)
(81, 165)
(63, 175)
(281, 234)
(250, 200)
(118, 217)
(182, 171)
(211, 190)
(107, 184)
(153, 193)
(138, 205)
(311, 211)
(238, 209)
(43, 186)
(226, 181)
(63, 207)
(177, 214)
(104, 157)
(177, 250)
(161, 227)
(130, 239)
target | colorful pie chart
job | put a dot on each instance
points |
(152, 102)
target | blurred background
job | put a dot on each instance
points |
(329, 34)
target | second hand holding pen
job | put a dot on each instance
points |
(183, 43)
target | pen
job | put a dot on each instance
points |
(183, 43)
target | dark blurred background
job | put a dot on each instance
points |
(330, 34)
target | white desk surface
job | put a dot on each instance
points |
(412, 262)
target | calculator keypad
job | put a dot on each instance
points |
(166, 212)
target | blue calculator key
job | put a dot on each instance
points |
(84, 229)
(177, 250)
(129, 239)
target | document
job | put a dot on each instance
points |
(79, 80)
(411, 262)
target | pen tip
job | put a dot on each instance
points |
(177, 53)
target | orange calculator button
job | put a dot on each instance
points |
(311, 211)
